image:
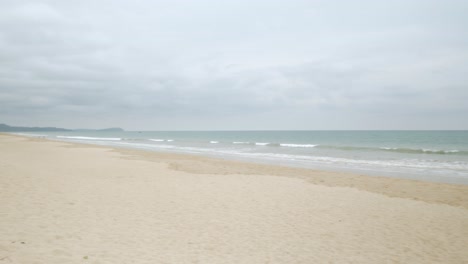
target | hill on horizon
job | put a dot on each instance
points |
(7, 128)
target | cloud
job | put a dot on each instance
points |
(234, 65)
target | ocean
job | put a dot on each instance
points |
(440, 156)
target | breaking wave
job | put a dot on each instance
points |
(157, 140)
(90, 138)
(424, 151)
(298, 145)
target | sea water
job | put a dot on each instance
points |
(425, 155)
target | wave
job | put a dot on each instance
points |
(29, 135)
(424, 151)
(288, 145)
(160, 140)
(214, 142)
(90, 138)
(298, 145)
(241, 142)
(357, 163)
(348, 148)
(131, 139)
(397, 150)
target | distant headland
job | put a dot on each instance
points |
(7, 128)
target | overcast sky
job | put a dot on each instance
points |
(230, 65)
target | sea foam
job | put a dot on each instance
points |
(89, 138)
(421, 151)
(298, 145)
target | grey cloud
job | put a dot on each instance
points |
(234, 65)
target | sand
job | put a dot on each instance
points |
(72, 203)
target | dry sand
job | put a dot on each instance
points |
(71, 203)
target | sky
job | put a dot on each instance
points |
(234, 65)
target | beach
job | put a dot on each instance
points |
(66, 202)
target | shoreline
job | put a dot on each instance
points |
(442, 170)
(455, 194)
(72, 203)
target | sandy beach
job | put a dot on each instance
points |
(72, 203)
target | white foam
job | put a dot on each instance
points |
(90, 138)
(240, 142)
(29, 135)
(298, 145)
(406, 163)
(422, 151)
(214, 142)
(261, 143)
(157, 140)
(440, 151)
(169, 140)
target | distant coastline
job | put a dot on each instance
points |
(8, 128)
